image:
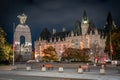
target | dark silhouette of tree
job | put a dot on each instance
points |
(115, 40)
(5, 48)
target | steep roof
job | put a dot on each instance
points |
(92, 27)
(45, 34)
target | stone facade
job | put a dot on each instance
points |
(84, 35)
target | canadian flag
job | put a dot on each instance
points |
(14, 45)
(111, 48)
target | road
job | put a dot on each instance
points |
(69, 68)
(20, 77)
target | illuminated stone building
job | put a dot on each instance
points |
(83, 35)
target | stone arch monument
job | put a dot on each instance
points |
(23, 52)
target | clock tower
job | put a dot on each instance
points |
(84, 23)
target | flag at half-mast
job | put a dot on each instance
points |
(14, 45)
(111, 45)
(111, 48)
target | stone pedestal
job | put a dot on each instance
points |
(28, 68)
(80, 70)
(43, 69)
(102, 71)
(23, 50)
(60, 69)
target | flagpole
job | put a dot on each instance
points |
(110, 46)
(13, 44)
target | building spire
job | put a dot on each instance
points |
(63, 29)
(84, 15)
(85, 18)
(109, 19)
(110, 24)
(54, 30)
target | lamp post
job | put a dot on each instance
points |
(60, 55)
(97, 53)
(91, 55)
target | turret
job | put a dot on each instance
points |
(84, 18)
(77, 28)
(110, 24)
(54, 30)
(63, 29)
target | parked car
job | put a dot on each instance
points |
(108, 61)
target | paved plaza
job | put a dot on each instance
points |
(111, 73)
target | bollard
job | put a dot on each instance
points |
(94, 65)
(14, 67)
(43, 69)
(60, 69)
(102, 71)
(87, 64)
(80, 70)
(28, 68)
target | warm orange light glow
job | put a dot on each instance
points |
(81, 45)
(36, 56)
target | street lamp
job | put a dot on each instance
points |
(91, 55)
(60, 55)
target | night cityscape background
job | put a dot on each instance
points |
(71, 39)
(55, 13)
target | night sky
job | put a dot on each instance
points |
(55, 13)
